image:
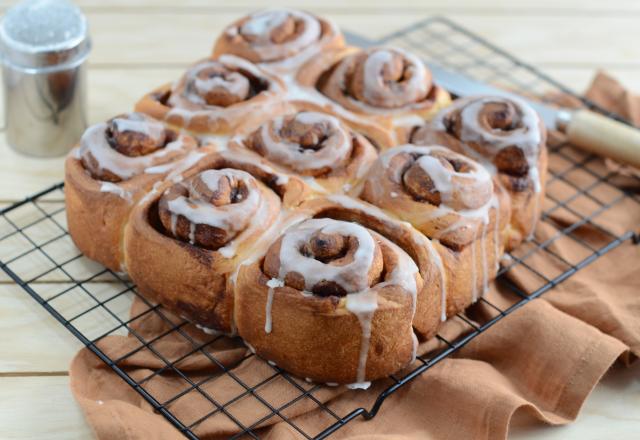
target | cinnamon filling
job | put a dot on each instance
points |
(208, 209)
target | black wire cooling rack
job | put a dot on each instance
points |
(93, 303)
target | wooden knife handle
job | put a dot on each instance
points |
(604, 136)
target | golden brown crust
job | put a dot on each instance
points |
(301, 330)
(318, 339)
(196, 282)
(192, 283)
(216, 96)
(100, 195)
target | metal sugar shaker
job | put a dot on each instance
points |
(44, 45)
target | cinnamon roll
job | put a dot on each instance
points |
(508, 137)
(452, 200)
(216, 96)
(208, 220)
(280, 40)
(387, 91)
(329, 155)
(325, 284)
(114, 165)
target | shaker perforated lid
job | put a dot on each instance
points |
(44, 34)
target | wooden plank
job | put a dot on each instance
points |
(34, 341)
(38, 408)
(470, 6)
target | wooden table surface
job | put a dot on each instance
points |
(141, 44)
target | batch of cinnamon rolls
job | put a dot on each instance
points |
(329, 204)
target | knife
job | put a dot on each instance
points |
(585, 129)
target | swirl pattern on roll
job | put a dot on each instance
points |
(336, 259)
(504, 133)
(129, 144)
(308, 143)
(277, 35)
(379, 80)
(221, 83)
(444, 194)
(212, 208)
(326, 257)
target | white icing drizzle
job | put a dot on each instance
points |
(351, 276)
(225, 217)
(117, 190)
(219, 141)
(442, 178)
(474, 269)
(414, 347)
(284, 221)
(533, 172)
(359, 386)
(251, 158)
(271, 284)
(363, 305)
(151, 194)
(209, 331)
(183, 165)
(361, 300)
(94, 142)
(435, 256)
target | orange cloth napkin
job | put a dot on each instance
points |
(542, 360)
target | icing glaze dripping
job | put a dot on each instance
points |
(272, 284)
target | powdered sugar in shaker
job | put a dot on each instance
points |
(43, 44)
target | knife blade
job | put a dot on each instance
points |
(585, 129)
